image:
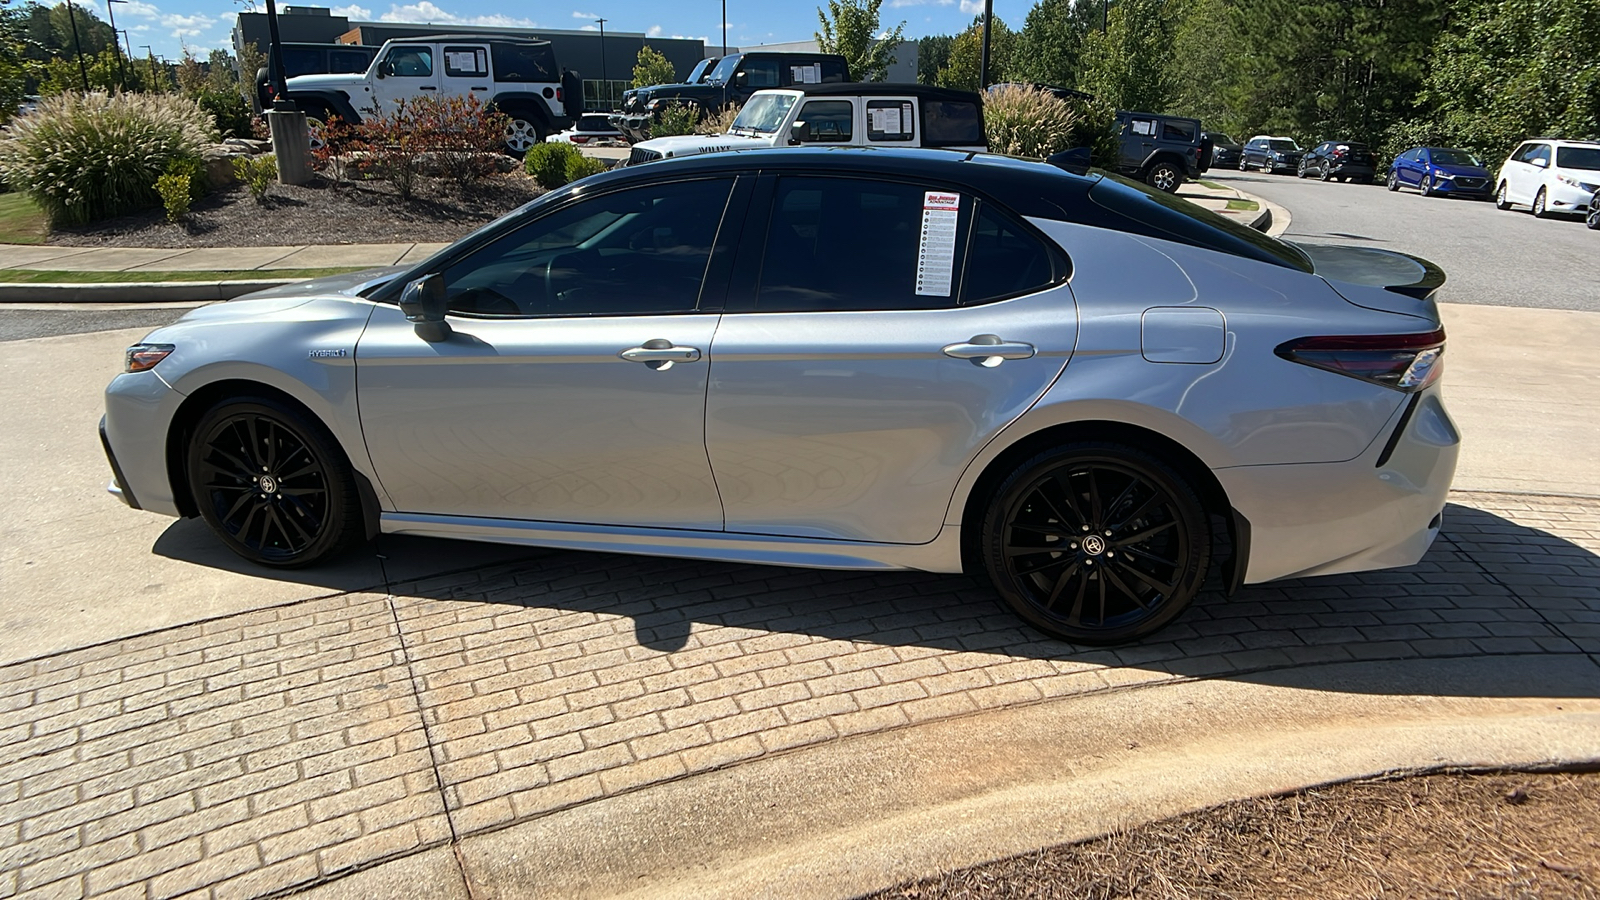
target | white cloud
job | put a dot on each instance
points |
(653, 31)
(589, 28)
(139, 29)
(899, 3)
(181, 26)
(584, 15)
(352, 12)
(429, 13)
(972, 7)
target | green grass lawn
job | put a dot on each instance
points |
(1243, 204)
(1211, 184)
(43, 276)
(20, 221)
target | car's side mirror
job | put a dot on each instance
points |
(385, 69)
(424, 304)
(739, 78)
(799, 133)
(1542, 163)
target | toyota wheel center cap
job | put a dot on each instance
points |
(1094, 545)
(269, 485)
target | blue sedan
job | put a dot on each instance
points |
(1441, 171)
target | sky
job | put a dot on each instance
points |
(169, 26)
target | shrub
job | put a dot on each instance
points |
(580, 166)
(548, 163)
(676, 118)
(229, 109)
(390, 146)
(720, 123)
(175, 195)
(257, 172)
(464, 136)
(457, 134)
(1021, 121)
(192, 170)
(83, 157)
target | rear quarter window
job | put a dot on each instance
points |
(951, 123)
(1188, 223)
(524, 63)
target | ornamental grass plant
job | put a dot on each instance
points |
(86, 157)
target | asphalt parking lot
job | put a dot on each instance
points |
(432, 718)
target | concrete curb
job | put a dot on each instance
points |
(1278, 217)
(136, 292)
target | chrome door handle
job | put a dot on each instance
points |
(660, 354)
(988, 350)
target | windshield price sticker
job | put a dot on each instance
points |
(936, 254)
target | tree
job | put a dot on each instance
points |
(1051, 41)
(1128, 65)
(17, 72)
(854, 32)
(966, 56)
(933, 54)
(652, 68)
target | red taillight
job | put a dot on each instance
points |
(1405, 362)
(561, 95)
(580, 139)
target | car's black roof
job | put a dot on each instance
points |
(881, 89)
(1033, 189)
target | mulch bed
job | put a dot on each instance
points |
(316, 213)
(1448, 835)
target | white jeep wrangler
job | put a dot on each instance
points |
(859, 115)
(517, 77)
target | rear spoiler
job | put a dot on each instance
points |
(1396, 272)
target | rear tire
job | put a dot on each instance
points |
(1324, 174)
(273, 483)
(1096, 542)
(522, 133)
(1164, 176)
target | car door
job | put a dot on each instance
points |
(850, 383)
(1410, 166)
(1138, 141)
(572, 385)
(406, 72)
(1519, 173)
(466, 72)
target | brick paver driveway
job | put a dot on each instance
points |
(265, 752)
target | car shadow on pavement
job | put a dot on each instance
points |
(1489, 586)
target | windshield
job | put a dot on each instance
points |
(1454, 158)
(724, 71)
(699, 71)
(1578, 158)
(1192, 223)
(764, 113)
(1283, 146)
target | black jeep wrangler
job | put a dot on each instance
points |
(732, 80)
(1162, 151)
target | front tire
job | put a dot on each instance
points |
(273, 483)
(1096, 543)
(1394, 181)
(1426, 187)
(1593, 219)
(1501, 200)
(1539, 210)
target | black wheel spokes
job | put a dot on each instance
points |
(265, 485)
(1119, 561)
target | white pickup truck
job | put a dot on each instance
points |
(853, 115)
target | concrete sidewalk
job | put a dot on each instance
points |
(210, 259)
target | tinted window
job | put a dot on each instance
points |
(951, 123)
(523, 63)
(299, 61)
(1003, 260)
(465, 62)
(1454, 158)
(833, 71)
(594, 123)
(346, 62)
(410, 62)
(636, 251)
(760, 73)
(1283, 146)
(891, 120)
(1177, 131)
(1192, 224)
(828, 121)
(1578, 157)
(848, 244)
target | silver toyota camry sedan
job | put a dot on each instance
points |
(838, 358)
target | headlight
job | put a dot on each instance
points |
(1568, 179)
(143, 357)
(1442, 175)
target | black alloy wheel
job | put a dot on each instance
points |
(1164, 176)
(273, 484)
(1096, 543)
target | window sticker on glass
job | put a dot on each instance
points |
(811, 74)
(1144, 126)
(462, 60)
(936, 254)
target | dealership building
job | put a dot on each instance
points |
(604, 63)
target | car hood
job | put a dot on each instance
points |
(323, 82)
(349, 284)
(1467, 171)
(1404, 283)
(691, 144)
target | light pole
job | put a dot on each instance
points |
(605, 86)
(111, 11)
(988, 28)
(72, 17)
(724, 27)
(151, 55)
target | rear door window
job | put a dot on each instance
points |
(891, 120)
(466, 62)
(851, 244)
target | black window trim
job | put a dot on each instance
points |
(744, 282)
(916, 115)
(714, 283)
